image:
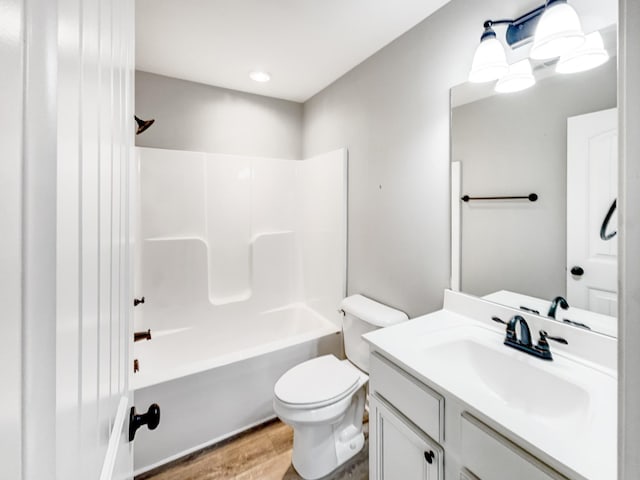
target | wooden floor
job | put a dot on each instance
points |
(263, 453)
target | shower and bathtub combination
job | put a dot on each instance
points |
(242, 263)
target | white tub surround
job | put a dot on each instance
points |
(242, 263)
(540, 419)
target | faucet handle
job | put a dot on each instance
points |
(544, 336)
(498, 320)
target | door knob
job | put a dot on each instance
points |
(577, 271)
(151, 419)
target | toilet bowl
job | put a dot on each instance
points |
(323, 399)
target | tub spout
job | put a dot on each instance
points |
(137, 336)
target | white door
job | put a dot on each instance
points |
(592, 186)
(95, 176)
(399, 449)
(95, 168)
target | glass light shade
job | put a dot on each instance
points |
(590, 55)
(558, 32)
(489, 61)
(520, 77)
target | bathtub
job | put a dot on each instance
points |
(234, 296)
(216, 379)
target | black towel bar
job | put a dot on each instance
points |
(532, 197)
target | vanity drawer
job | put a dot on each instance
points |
(419, 403)
(490, 456)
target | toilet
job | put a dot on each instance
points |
(323, 399)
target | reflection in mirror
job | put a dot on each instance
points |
(557, 140)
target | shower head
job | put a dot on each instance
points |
(143, 124)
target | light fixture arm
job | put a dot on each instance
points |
(520, 30)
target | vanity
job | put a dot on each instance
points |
(449, 400)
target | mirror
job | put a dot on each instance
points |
(557, 140)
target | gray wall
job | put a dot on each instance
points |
(392, 113)
(514, 145)
(197, 117)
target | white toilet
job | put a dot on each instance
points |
(323, 399)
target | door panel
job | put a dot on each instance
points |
(95, 163)
(592, 179)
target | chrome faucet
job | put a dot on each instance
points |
(561, 301)
(523, 343)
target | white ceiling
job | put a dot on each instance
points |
(304, 44)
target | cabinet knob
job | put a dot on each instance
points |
(428, 456)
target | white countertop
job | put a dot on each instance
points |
(583, 439)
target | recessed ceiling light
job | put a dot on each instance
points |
(258, 76)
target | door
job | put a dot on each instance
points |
(95, 169)
(592, 187)
(398, 449)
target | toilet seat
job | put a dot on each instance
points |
(318, 382)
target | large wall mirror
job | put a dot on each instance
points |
(555, 145)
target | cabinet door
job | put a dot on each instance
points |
(398, 449)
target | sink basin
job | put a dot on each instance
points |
(512, 378)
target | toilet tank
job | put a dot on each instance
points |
(363, 315)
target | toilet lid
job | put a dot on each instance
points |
(316, 381)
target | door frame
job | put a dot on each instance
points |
(39, 180)
(629, 241)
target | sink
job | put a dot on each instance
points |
(512, 378)
(476, 360)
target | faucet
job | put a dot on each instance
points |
(525, 333)
(554, 306)
(524, 344)
(137, 336)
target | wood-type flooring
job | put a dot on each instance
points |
(262, 453)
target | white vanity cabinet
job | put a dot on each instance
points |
(446, 383)
(408, 438)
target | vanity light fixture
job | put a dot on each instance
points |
(520, 77)
(590, 55)
(259, 76)
(554, 29)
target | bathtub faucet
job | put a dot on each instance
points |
(137, 336)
